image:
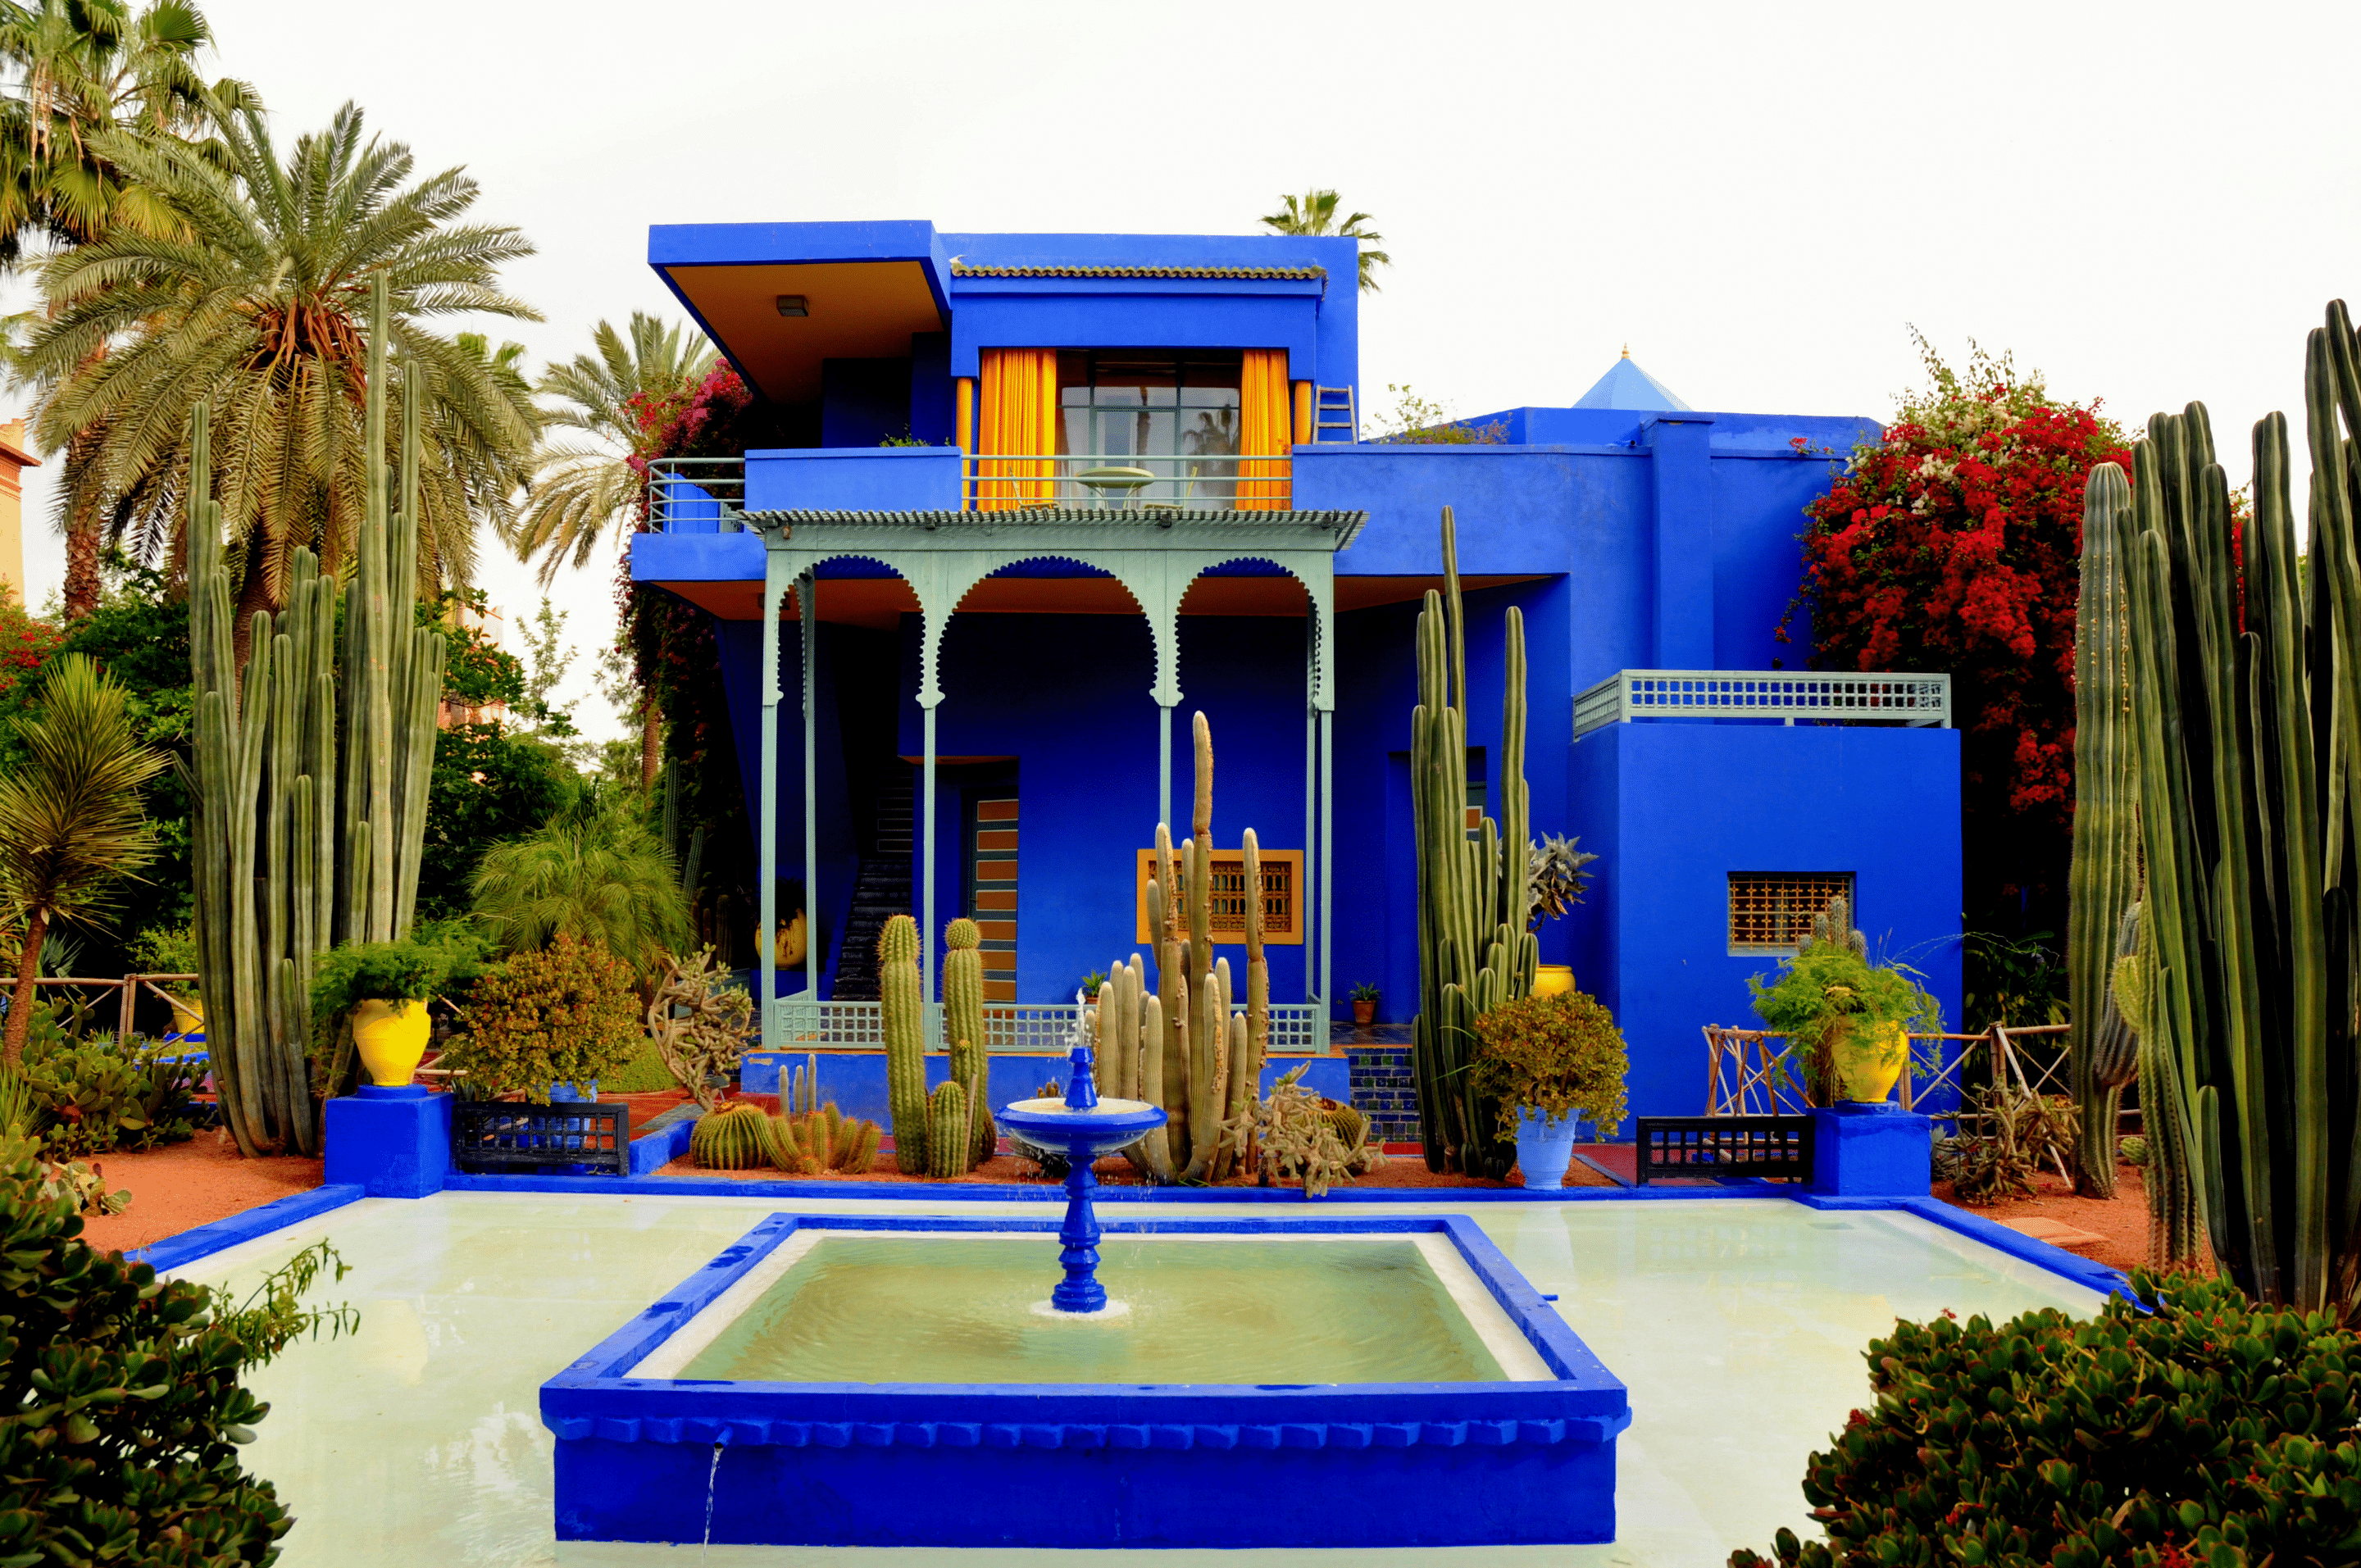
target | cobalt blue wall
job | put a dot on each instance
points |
(1067, 696)
(1679, 806)
(739, 647)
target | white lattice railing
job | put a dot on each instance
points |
(1867, 696)
(1046, 1028)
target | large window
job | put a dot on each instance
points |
(1175, 413)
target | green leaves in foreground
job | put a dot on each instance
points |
(2189, 1428)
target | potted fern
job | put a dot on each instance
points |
(1848, 1021)
(1549, 1061)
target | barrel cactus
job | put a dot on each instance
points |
(736, 1137)
(901, 992)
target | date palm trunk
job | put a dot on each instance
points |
(20, 1003)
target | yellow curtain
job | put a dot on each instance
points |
(1019, 417)
(1304, 430)
(1263, 419)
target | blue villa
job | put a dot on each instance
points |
(1059, 492)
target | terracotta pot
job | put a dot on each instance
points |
(1365, 1014)
(391, 1043)
(1552, 980)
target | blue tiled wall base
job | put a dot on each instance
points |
(1049, 1466)
(1045, 1482)
(394, 1143)
(1870, 1151)
(1386, 1091)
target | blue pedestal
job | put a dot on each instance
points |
(1870, 1151)
(395, 1143)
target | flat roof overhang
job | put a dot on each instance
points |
(866, 287)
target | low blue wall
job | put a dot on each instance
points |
(854, 478)
(1675, 808)
(856, 1079)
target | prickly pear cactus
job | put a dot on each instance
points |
(901, 992)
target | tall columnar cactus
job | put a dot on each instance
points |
(946, 1131)
(901, 993)
(2249, 807)
(963, 1030)
(2102, 877)
(286, 865)
(1472, 897)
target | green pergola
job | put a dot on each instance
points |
(1156, 554)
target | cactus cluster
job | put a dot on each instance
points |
(2246, 693)
(1186, 1043)
(285, 862)
(801, 1140)
(1475, 951)
(2102, 875)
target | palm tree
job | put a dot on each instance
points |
(71, 824)
(617, 397)
(594, 873)
(73, 69)
(258, 307)
(1315, 213)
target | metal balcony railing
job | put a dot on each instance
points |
(696, 495)
(1920, 701)
(1127, 481)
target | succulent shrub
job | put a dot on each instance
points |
(124, 1406)
(2187, 1426)
(698, 1021)
(562, 1015)
(1554, 1054)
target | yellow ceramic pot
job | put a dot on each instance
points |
(391, 1043)
(1552, 980)
(189, 1019)
(792, 942)
(1869, 1060)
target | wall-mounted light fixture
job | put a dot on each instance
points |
(792, 305)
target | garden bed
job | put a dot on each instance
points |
(1397, 1172)
(2118, 1223)
(187, 1184)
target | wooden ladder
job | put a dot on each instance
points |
(1333, 410)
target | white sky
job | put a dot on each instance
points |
(2149, 203)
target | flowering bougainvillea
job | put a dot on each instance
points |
(25, 642)
(1953, 544)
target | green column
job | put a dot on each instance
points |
(766, 831)
(815, 944)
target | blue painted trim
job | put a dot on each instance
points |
(654, 1151)
(2082, 1271)
(789, 1190)
(203, 1241)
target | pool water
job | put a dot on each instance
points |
(1218, 1310)
(1737, 1324)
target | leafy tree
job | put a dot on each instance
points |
(258, 307)
(1314, 212)
(487, 785)
(612, 402)
(545, 667)
(1951, 543)
(71, 821)
(73, 69)
(595, 874)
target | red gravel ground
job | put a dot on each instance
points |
(2120, 1223)
(181, 1185)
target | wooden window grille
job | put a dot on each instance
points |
(1770, 912)
(1282, 880)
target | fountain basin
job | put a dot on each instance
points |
(1494, 1424)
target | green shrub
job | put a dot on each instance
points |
(434, 960)
(1553, 1054)
(641, 1072)
(2189, 1428)
(123, 1396)
(91, 1097)
(566, 1014)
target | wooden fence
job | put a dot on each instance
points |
(1743, 1076)
(127, 990)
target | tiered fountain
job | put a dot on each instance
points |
(1082, 1127)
